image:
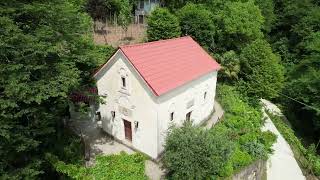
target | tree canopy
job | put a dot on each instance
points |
(261, 70)
(240, 23)
(162, 25)
(46, 52)
(196, 21)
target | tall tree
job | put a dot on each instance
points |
(261, 70)
(162, 25)
(196, 20)
(125, 14)
(46, 51)
(239, 24)
(267, 10)
(304, 85)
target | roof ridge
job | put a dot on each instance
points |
(153, 42)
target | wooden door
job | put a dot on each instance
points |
(127, 130)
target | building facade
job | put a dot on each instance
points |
(143, 9)
(145, 94)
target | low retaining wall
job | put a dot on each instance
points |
(256, 171)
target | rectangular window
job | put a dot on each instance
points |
(98, 115)
(205, 96)
(171, 116)
(142, 4)
(123, 81)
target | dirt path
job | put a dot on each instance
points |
(281, 165)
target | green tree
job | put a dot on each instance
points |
(174, 5)
(162, 25)
(124, 17)
(204, 157)
(267, 10)
(239, 24)
(294, 37)
(46, 52)
(304, 83)
(261, 70)
(196, 21)
(230, 63)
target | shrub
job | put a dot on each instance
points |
(120, 166)
(230, 63)
(267, 138)
(192, 153)
(242, 123)
(255, 149)
(162, 25)
(240, 159)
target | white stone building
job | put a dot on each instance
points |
(149, 86)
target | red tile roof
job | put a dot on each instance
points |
(168, 64)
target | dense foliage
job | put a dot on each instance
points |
(239, 24)
(261, 70)
(231, 66)
(162, 25)
(46, 52)
(124, 17)
(242, 124)
(295, 36)
(112, 167)
(232, 144)
(307, 158)
(204, 156)
(196, 21)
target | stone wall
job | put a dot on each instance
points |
(256, 171)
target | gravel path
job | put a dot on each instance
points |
(281, 165)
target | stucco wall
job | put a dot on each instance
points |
(177, 101)
(136, 99)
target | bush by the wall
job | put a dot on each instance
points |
(193, 153)
(243, 123)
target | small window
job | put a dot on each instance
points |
(123, 79)
(205, 95)
(141, 4)
(171, 116)
(188, 116)
(113, 114)
(98, 115)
